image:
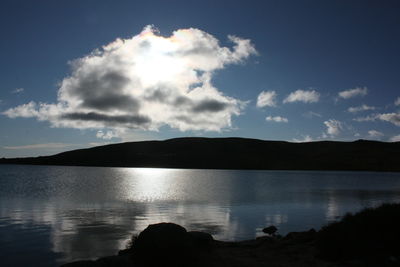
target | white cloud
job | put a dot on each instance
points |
(309, 96)
(311, 114)
(146, 82)
(29, 110)
(304, 139)
(395, 138)
(390, 117)
(266, 99)
(276, 119)
(358, 91)
(106, 135)
(397, 102)
(393, 118)
(17, 90)
(334, 127)
(375, 134)
(360, 108)
(36, 146)
(364, 119)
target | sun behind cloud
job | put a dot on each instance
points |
(146, 82)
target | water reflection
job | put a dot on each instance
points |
(59, 214)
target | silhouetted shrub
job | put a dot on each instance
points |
(373, 233)
(130, 243)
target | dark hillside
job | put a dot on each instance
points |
(232, 153)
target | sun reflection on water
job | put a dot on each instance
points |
(150, 184)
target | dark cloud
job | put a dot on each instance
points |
(168, 96)
(199, 50)
(96, 82)
(110, 101)
(158, 94)
(117, 119)
(103, 91)
(185, 119)
(210, 106)
(182, 100)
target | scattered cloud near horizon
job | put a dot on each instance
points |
(303, 139)
(106, 135)
(305, 96)
(276, 119)
(397, 101)
(393, 118)
(146, 82)
(266, 99)
(36, 146)
(358, 91)
(360, 108)
(333, 127)
(395, 138)
(311, 114)
(375, 134)
(17, 90)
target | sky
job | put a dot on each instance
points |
(77, 74)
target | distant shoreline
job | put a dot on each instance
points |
(181, 168)
(232, 154)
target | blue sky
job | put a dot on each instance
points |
(276, 70)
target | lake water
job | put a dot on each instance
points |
(50, 215)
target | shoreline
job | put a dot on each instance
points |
(368, 238)
(294, 249)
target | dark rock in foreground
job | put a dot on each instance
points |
(168, 244)
(367, 239)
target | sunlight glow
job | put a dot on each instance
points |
(158, 63)
(152, 184)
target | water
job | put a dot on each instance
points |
(50, 215)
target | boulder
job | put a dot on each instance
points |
(169, 244)
(161, 236)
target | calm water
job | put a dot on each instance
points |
(50, 215)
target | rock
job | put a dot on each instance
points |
(200, 239)
(270, 230)
(168, 244)
(161, 236)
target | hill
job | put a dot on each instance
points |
(232, 153)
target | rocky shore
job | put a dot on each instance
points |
(368, 238)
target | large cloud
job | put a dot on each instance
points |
(146, 82)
